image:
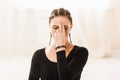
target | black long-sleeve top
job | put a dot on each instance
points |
(66, 68)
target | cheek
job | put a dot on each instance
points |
(52, 30)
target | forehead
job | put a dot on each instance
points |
(60, 20)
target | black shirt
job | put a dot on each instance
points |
(66, 68)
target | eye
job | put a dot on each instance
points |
(66, 27)
(55, 27)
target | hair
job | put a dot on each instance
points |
(60, 12)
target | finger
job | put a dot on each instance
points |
(63, 29)
(60, 27)
(58, 30)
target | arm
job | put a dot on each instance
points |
(34, 70)
(68, 71)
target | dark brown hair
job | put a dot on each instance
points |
(60, 12)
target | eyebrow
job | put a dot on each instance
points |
(66, 25)
(58, 26)
(55, 25)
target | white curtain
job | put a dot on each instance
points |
(23, 30)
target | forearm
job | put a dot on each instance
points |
(60, 49)
(63, 69)
(69, 70)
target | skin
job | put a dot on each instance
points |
(60, 28)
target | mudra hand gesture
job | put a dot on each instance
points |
(59, 35)
(60, 28)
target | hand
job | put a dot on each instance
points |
(59, 35)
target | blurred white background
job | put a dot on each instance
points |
(24, 29)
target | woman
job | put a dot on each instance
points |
(61, 60)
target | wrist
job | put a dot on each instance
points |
(62, 46)
(59, 48)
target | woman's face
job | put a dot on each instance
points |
(60, 21)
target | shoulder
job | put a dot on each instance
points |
(82, 50)
(38, 52)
